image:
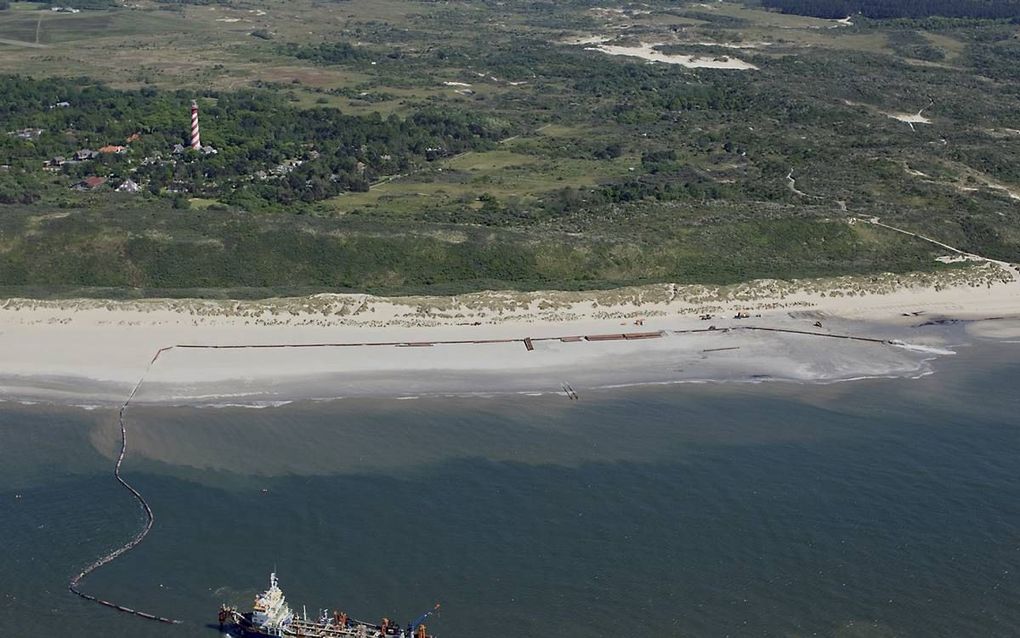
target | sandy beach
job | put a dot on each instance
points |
(94, 352)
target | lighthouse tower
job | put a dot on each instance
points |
(196, 138)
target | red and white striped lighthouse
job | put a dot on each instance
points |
(196, 139)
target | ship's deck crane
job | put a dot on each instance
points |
(421, 619)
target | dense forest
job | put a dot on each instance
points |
(879, 9)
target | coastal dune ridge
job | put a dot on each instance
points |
(347, 345)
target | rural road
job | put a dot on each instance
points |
(875, 221)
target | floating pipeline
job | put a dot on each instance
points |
(74, 585)
(827, 335)
(816, 334)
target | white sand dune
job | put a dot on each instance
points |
(912, 119)
(909, 119)
(650, 53)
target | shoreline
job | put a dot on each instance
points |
(92, 352)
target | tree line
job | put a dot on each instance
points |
(883, 9)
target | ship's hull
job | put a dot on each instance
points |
(241, 626)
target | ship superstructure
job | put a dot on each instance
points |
(272, 617)
(270, 612)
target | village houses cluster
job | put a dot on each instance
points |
(125, 184)
(84, 155)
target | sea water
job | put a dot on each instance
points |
(868, 508)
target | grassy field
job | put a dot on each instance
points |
(621, 171)
(469, 178)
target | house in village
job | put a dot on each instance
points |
(110, 149)
(85, 154)
(27, 133)
(434, 153)
(206, 150)
(128, 186)
(89, 184)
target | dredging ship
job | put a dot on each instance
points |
(272, 617)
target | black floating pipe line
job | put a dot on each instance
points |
(74, 585)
